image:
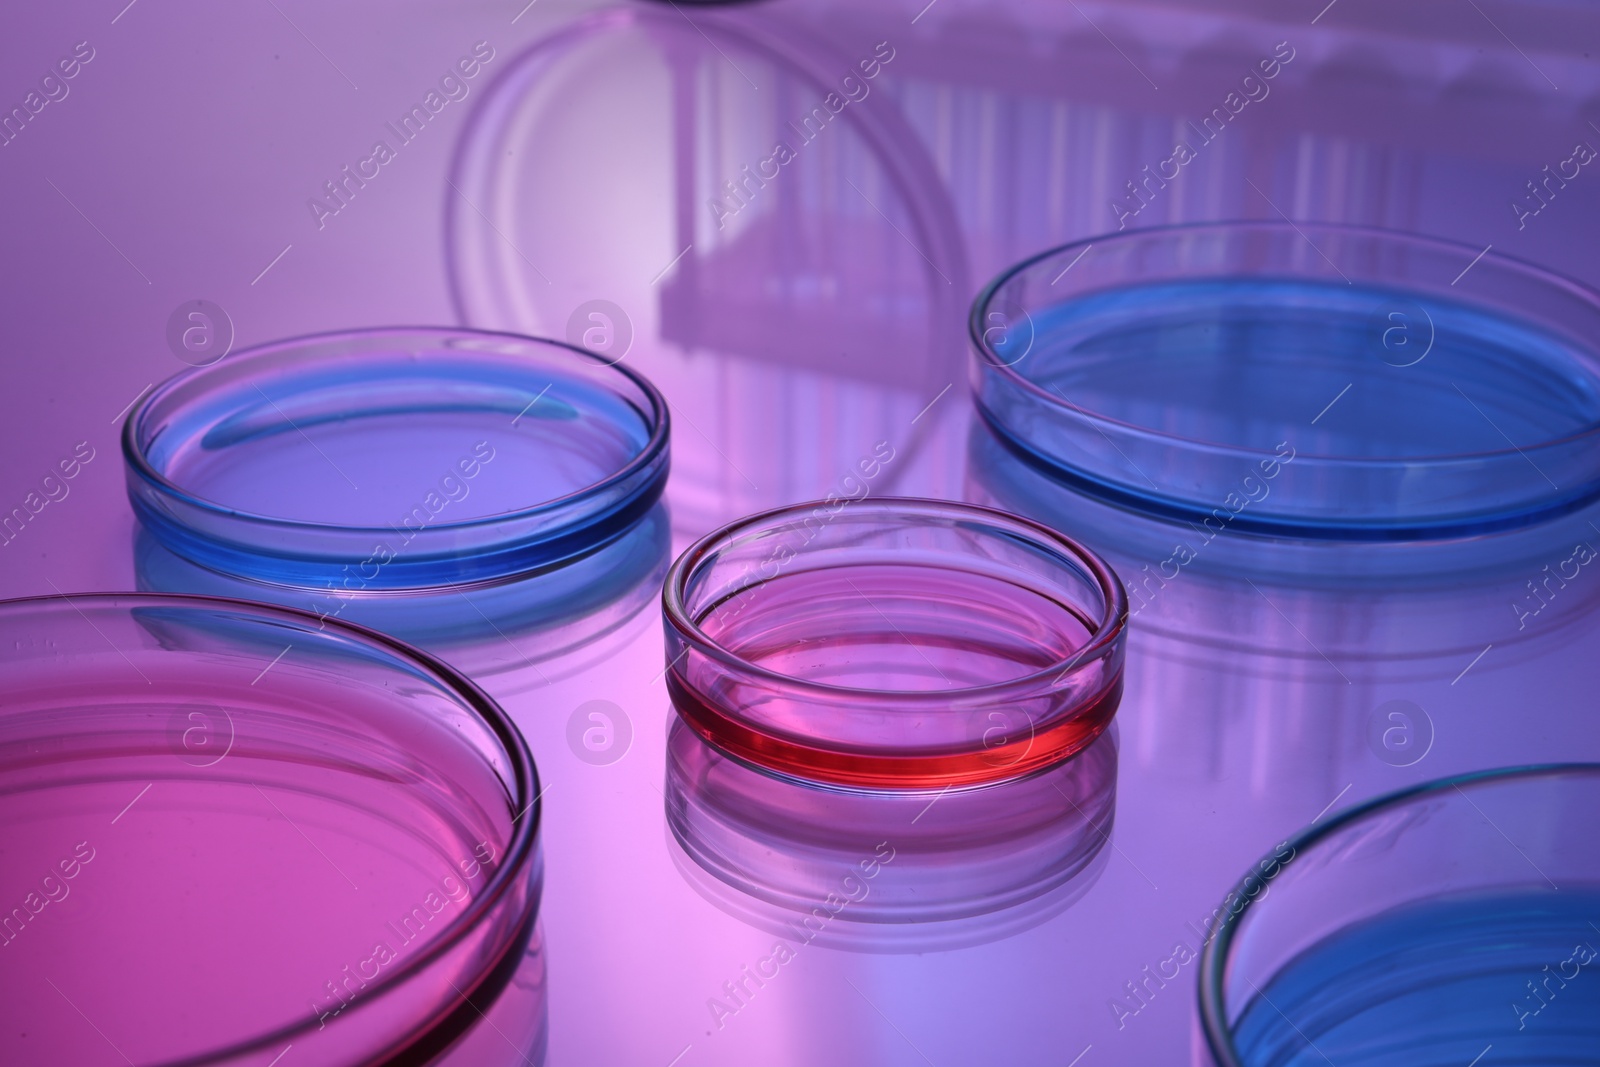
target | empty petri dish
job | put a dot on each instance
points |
(894, 643)
(1304, 380)
(380, 461)
(1425, 926)
(230, 828)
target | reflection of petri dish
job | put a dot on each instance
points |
(1425, 607)
(894, 643)
(232, 828)
(888, 871)
(1419, 926)
(606, 218)
(799, 270)
(401, 459)
(1312, 381)
(516, 632)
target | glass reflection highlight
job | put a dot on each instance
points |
(879, 871)
(504, 634)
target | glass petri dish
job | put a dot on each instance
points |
(1423, 926)
(387, 460)
(230, 828)
(1303, 380)
(894, 643)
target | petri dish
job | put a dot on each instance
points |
(894, 643)
(888, 871)
(230, 828)
(1424, 926)
(378, 461)
(1301, 380)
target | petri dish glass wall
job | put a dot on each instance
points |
(238, 828)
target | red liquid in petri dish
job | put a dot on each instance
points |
(908, 644)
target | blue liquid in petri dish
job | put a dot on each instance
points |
(1439, 982)
(334, 452)
(1246, 363)
(396, 459)
(1407, 414)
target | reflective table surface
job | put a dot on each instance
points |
(779, 213)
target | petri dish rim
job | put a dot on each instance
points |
(1214, 959)
(520, 850)
(1111, 625)
(134, 453)
(1543, 275)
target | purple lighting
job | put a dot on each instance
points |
(367, 367)
(187, 777)
(894, 644)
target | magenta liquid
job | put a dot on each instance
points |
(199, 861)
(211, 908)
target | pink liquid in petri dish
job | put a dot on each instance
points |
(191, 862)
